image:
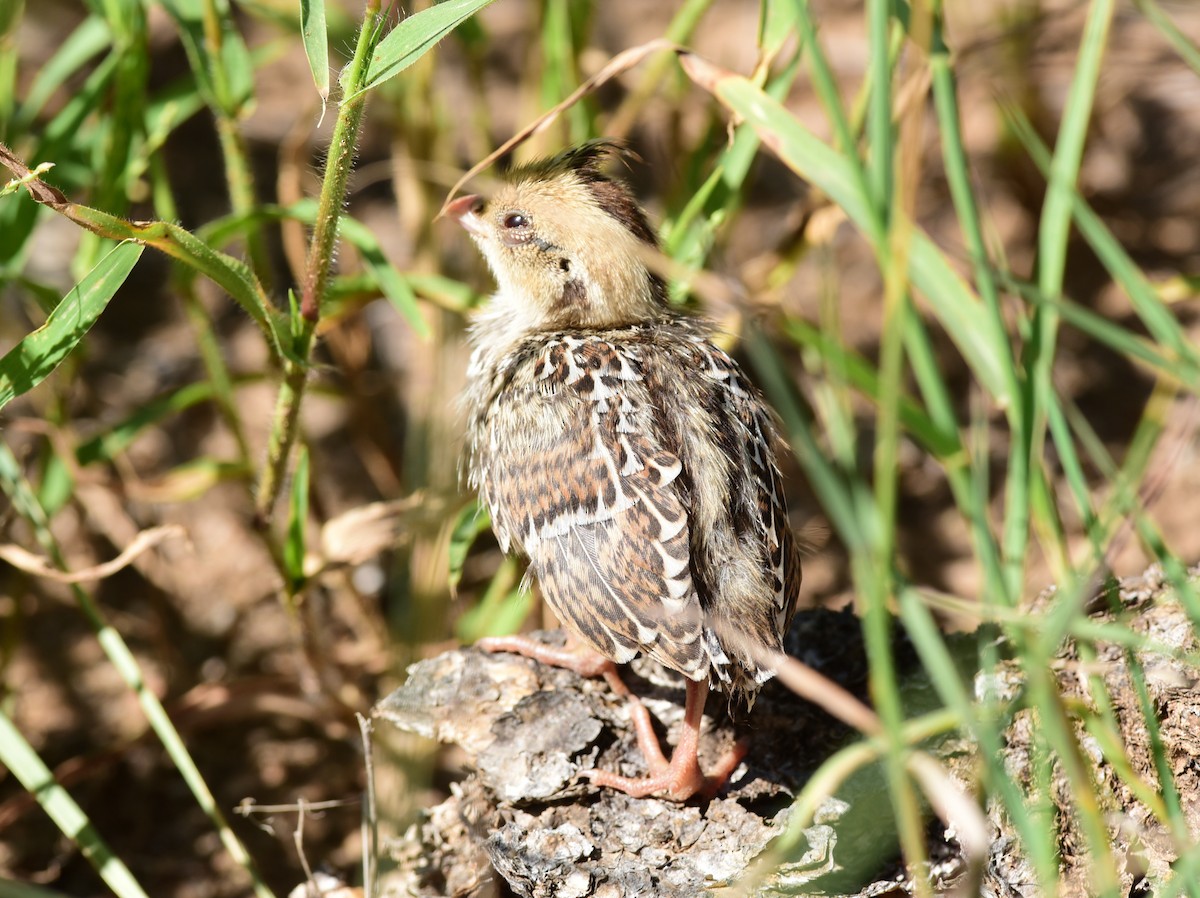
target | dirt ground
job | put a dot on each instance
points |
(264, 697)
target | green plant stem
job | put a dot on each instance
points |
(1053, 232)
(825, 782)
(1187, 49)
(945, 95)
(320, 259)
(239, 177)
(243, 197)
(879, 110)
(337, 168)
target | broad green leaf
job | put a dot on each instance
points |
(416, 36)
(29, 362)
(316, 44)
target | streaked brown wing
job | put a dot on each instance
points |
(597, 510)
(624, 583)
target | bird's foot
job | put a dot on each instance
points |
(681, 777)
(679, 780)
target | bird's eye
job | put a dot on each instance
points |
(515, 220)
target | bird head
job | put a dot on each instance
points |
(566, 244)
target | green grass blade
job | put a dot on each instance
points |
(394, 285)
(880, 136)
(115, 155)
(107, 445)
(862, 376)
(1184, 367)
(12, 889)
(689, 238)
(981, 721)
(561, 21)
(232, 275)
(19, 757)
(64, 141)
(29, 362)
(89, 38)
(1180, 42)
(216, 52)
(416, 36)
(502, 608)
(957, 308)
(11, 12)
(945, 96)
(1053, 232)
(1150, 308)
(827, 481)
(1055, 222)
(14, 485)
(826, 87)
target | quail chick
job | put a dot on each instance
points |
(627, 456)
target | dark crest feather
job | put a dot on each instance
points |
(587, 158)
(611, 194)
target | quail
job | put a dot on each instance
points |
(624, 454)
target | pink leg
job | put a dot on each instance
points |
(681, 777)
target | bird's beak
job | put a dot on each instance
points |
(466, 210)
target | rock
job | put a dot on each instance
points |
(522, 816)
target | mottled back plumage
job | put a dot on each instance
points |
(614, 445)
